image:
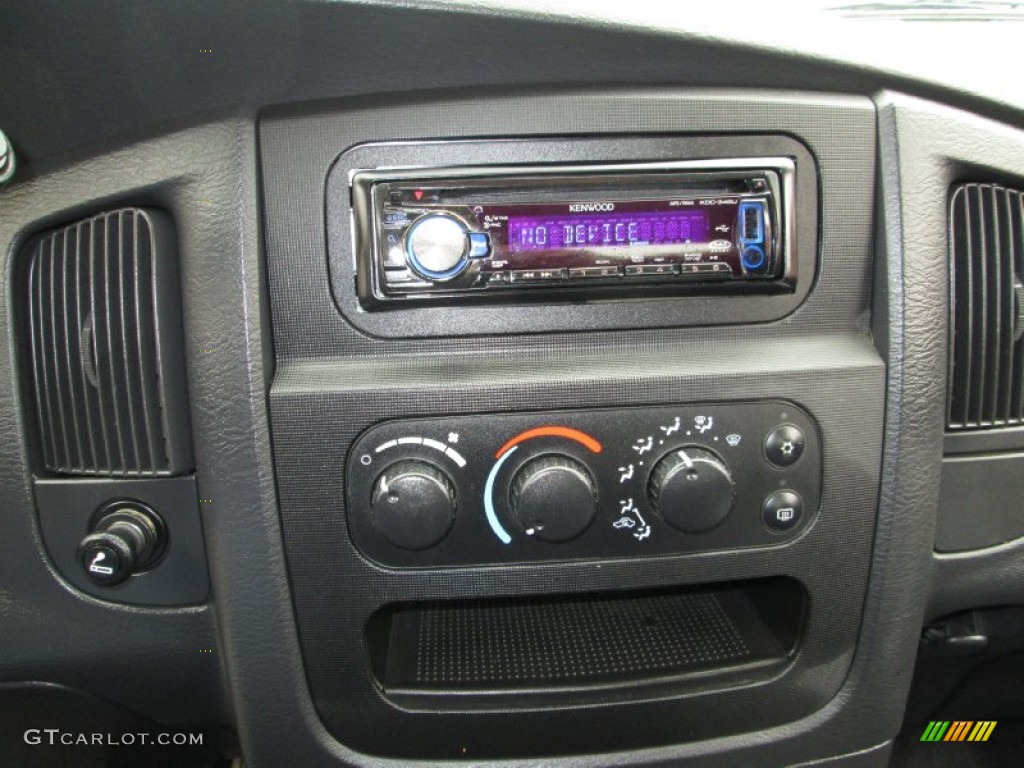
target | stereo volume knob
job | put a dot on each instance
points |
(437, 246)
(691, 488)
(413, 504)
(553, 498)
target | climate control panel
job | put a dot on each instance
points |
(473, 490)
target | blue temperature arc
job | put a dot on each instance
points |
(492, 518)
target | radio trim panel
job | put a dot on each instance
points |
(601, 303)
(643, 249)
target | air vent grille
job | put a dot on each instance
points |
(986, 372)
(105, 337)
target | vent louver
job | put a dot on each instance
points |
(986, 358)
(104, 320)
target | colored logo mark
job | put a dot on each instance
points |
(958, 730)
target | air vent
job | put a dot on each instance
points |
(104, 319)
(986, 373)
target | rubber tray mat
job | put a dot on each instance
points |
(573, 643)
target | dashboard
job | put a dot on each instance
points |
(616, 395)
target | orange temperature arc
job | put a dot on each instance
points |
(572, 434)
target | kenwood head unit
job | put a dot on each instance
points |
(500, 234)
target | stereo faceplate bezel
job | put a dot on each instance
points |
(457, 191)
(574, 309)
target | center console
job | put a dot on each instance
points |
(577, 426)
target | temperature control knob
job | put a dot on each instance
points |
(437, 246)
(553, 498)
(691, 488)
(413, 504)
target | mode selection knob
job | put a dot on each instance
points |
(437, 246)
(691, 488)
(553, 498)
(413, 504)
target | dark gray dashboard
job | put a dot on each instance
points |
(304, 650)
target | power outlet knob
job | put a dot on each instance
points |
(128, 537)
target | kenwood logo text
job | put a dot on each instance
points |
(587, 207)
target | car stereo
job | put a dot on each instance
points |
(499, 234)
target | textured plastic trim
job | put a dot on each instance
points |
(333, 381)
(67, 509)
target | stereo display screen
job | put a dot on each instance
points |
(589, 228)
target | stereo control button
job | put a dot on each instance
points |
(784, 445)
(711, 270)
(645, 270)
(753, 258)
(413, 504)
(537, 275)
(394, 254)
(437, 245)
(782, 510)
(403, 278)
(553, 498)
(591, 272)
(691, 488)
(479, 245)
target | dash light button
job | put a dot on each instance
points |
(784, 445)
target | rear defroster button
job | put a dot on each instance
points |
(782, 510)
